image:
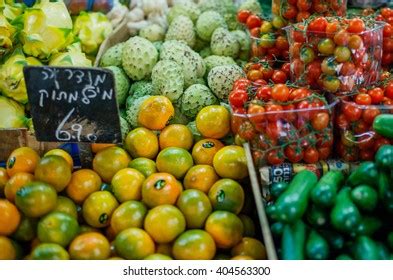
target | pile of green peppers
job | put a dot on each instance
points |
(336, 217)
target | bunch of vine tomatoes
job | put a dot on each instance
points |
(299, 10)
(268, 38)
(354, 120)
(386, 15)
(336, 55)
(283, 123)
(260, 72)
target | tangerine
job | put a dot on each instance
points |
(204, 151)
(213, 121)
(155, 112)
(141, 142)
(23, 159)
(176, 135)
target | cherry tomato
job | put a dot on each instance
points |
(386, 12)
(376, 95)
(389, 90)
(280, 92)
(272, 110)
(356, 26)
(387, 30)
(311, 155)
(279, 77)
(294, 153)
(303, 15)
(320, 121)
(352, 112)
(370, 113)
(361, 127)
(326, 46)
(355, 42)
(329, 66)
(307, 55)
(318, 25)
(289, 12)
(347, 69)
(366, 155)
(286, 68)
(341, 38)
(363, 99)
(273, 130)
(267, 41)
(264, 93)
(243, 15)
(331, 84)
(238, 98)
(255, 32)
(253, 21)
(246, 130)
(388, 44)
(331, 29)
(278, 22)
(289, 113)
(254, 75)
(256, 114)
(267, 71)
(266, 27)
(324, 153)
(380, 142)
(342, 54)
(242, 83)
(259, 83)
(282, 43)
(274, 157)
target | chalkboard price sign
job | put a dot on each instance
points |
(73, 104)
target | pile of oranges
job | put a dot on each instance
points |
(161, 196)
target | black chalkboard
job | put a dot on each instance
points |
(73, 104)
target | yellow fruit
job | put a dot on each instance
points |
(176, 135)
(213, 121)
(175, 161)
(250, 247)
(155, 112)
(204, 151)
(141, 142)
(200, 177)
(231, 162)
(98, 208)
(63, 154)
(110, 160)
(55, 171)
(23, 159)
(7, 250)
(127, 184)
(130, 214)
(83, 183)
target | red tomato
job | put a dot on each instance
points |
(256, 114)
(356, 26)
(273, 110)
(363, 99)
(303, 15)
(282, 43)
(279, 77)
(367, 155)
(324, 153)
(376, 95)
(255, 32)
(366, 142)
(264, 93)
(253, 21)
(289, 114)
(311, 155)
(243, 15)
(320, 121)
(254, 75)
(289, 12)
(370, 113)
(273, 130)
(259, 83)
(386, 12)
(319, 25)
(347, 69)
(286, 68)
(341, 38)
(274, 157)
(361, 127)
(352, 112)
(246, 130)
(388, 44)
(238, 98)
(280, 92)
(331, 29)
(242, 83)
(380, 142)
(267, 71)
(294, 153)
(389, 90)
(387, 30)
(355, 42)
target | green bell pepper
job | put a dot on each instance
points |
(324, 193)
(384, 158)
(366, 173)
(383, 125)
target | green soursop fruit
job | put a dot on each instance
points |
(133, 111)
(207, 23)
(221, 79)
(168, 79)
(179, 117)
(251, 5)
(216, 60)
(185, 57)
(206, 52)
(141, 88)
(112, 57)
(201, 81)
(200, 64)
(189, 9)
(123, 113)
(138, 58)
(124, 127)
(153, 33)
(244, 41)
(200, 44)
(195, 98)
(122, 84)
(224, 43)
(182, 29)
(158, 45)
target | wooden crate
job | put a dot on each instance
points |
(259, 202)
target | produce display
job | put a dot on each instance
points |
(303, 88)
(338, 217)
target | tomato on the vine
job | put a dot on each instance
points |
(274, 157)
(311, 155)
(280, 92)
(363, 99)
(253, 21)
(356, 26)
(294, 153)
(370, 114)
(320, 121)
(264, 93)
(279, 77)
(273, 112)
(352, 112)
(376, 95)
(243, 15)
(238, 98)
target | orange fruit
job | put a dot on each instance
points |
(141, 142)
(90, 246)
(26, 230)
(57, 227)
(227, 195)
(96, 147)
(164, 249)
(36, 199)
(129, 214)
(200, 177)
(250, 247)
(242, 258)
(23, 159)
(160, 188)
(213, 121)
(127, 184)
(63, 154)
(175, 161)
(83, 183)
(3, 179)
(225, 228)
(67, 206)
(7, 249)
(204, 151)
(158, 257)
(231, 162)
(195, 206)
(55, 171)
(164, 223)
(144, 165)
(17, 181)
(9, 217)
(49, 251)
(134, 244)
(249, 226)
(176, 135)
(194, 244)
(155, 112)
(98, 208)
(110, 160)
